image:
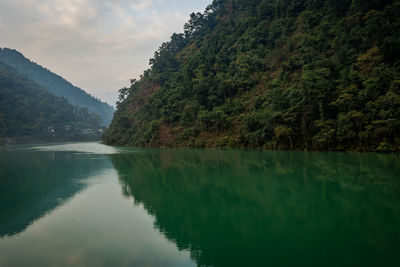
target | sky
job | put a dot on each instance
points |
(97, 45)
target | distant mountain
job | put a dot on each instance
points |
(28, 113)
(293, 74)
(56, 85)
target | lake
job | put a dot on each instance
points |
(86, 204)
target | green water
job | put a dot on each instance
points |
(91, 205)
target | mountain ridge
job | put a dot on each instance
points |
(28, 113)
(56, 84)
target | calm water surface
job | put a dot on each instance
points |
(87, 204)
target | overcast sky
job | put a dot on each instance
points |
(97, 45)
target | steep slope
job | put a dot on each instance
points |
(30, 114)
(296, 74)
(56, 85)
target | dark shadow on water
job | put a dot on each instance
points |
(34, 183)
(232, 208)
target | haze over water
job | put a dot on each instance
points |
(87, 204)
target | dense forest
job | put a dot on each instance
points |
(293, 74)
(56, 85)
(28, 113)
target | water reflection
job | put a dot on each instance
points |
(96, 226)
(33, 183)
(228, 208)
(271, 208)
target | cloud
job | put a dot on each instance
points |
(142, 5)
(95, 44)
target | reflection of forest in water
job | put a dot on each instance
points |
(34, 183)
(271, 208)
(230, 208)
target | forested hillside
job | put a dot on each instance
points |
(56, 85)
(30, 114)
(293, 74)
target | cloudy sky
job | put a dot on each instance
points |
(97, 45)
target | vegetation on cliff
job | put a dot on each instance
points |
(295, 74)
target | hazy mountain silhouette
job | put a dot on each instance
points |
(56, 84)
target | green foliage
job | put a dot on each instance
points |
(30, 114)
(56, 85)
(297, 74)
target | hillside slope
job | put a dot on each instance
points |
(56, 85)
(30, 114)
(296, 74)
